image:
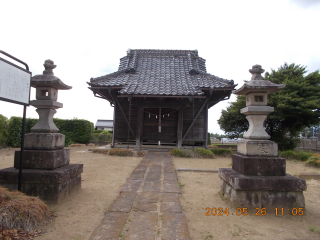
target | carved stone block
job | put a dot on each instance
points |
(258, 147)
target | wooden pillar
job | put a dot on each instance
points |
(206, 126)
(179, 127)
(114, 125)
(139, 129)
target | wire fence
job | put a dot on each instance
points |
(309, 144)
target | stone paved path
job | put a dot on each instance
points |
(148, 206)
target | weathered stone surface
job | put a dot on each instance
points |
(256, 129)
(148, 197)
(241, 182)
(308, 175)
(44, 141)
(174, 226)
(170, 203)
(153, 176)
(45, 123)
(261, 199)
(257, 148)
(146, 207)
(137, 175)
(259, 166)
(170, 176)
(155, 168)
(52, 104)
(169, 168)
(142, 226)
(110, 227)
(131, 185)
(123, 203)
(171, 186)
(42, 159)
(51, 186)
(151, 186)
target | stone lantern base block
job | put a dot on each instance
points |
(38, 159)
(44, 141)
(259, 166)
(52, 186)
(257, 147)
(262, 191)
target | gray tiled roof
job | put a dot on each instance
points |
(104, 123)
(162, 72)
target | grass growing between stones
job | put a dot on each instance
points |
(20, 213)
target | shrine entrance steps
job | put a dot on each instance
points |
(148, 205)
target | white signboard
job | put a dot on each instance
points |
(14, 83)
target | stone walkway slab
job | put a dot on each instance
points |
(171, 186)
(174, 227)
(123, 203)
(110, 227)
(143, 226)
(148, 206)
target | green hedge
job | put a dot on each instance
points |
(75, 130)
(221, 151)
(4, 122)
(102, 136)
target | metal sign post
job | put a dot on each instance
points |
(15, 88)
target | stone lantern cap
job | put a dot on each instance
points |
(257, 84)
(47, 79)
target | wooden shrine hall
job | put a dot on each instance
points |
(161, 97)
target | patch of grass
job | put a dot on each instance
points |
(76, 145)
(192, 153)
(209, 236)
(312, 229)
(122, 235)
(212, 146)
(180, 184)
(77, 238)
(221, 152)
(120, 152)
(295, 155)
(141, 153)
(230, 164)
(313, 161)
(18, 210)
(102, 151)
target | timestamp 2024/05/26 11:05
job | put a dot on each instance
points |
(258, 211)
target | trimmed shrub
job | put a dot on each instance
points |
(120, 152)
(192, 153)
(75, 130)
(303, 156)
(221, 152)
(4, 122)
(289, 154)
(203, 153)
(212, 146)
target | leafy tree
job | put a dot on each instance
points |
(296, 106)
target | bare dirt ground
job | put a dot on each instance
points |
(104, 176)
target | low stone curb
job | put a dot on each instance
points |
(308, 176)
(197, 170)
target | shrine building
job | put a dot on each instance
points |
(161, 98)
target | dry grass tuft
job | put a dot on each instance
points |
(18, 210)
(103, 151)
(90, 144)
(76, 145)
(140, 153)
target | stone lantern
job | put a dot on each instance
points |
(46, 169)
(258, 176)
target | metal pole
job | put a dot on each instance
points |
(22, 146)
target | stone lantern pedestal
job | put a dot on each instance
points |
(258, 176)
(46, 169)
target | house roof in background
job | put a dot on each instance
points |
(104, 123)
(162, 72)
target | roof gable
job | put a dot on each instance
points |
(162, 72)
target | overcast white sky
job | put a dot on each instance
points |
(87, 38)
